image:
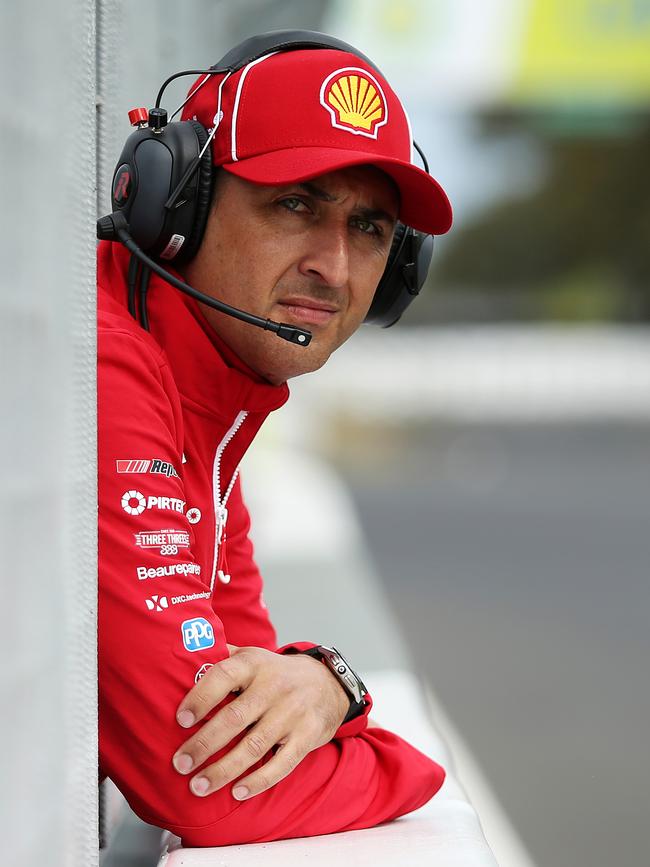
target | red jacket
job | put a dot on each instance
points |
(177, 411)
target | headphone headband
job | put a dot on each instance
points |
(284, 40)
(258, 46)
(163, 182)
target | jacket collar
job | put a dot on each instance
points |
(207, 372)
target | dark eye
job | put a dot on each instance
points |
(293, 203)
(367, 227)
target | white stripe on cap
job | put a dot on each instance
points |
(236, 107)
(408, 124)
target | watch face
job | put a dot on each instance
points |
(349, 679)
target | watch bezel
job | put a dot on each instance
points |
(333, 658)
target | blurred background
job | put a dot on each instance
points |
(496, 443)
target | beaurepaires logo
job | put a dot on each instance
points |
(135, 503)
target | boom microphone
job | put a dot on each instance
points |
(115, 227)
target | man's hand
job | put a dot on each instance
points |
(293, 702)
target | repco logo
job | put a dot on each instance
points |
(135, 503)
(142, 465)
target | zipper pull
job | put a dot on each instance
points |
(222, 566)
(222, 517)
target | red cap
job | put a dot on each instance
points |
(138, 116)
(293, 115)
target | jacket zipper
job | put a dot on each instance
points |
(220, 510)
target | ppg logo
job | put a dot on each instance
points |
(197, 634)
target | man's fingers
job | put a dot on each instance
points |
(280, 766)
(216, 733)
(253, 746)
(223, 678)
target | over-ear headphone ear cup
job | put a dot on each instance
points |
(203, 196)
(395, 247)
(404, 275)
(386, 288)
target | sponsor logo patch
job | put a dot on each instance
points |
(193, 515)
(198, 634)
(143, 572)
(355, 101)
(140, 465)
(134, 503)
(190, 597)
(166, 541)
(202, 671)
(157, 603)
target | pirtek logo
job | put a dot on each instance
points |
(136, 465)
(134, 503)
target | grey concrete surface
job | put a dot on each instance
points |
(135, 844)
(519, 572)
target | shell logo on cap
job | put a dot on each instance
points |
(355, 101)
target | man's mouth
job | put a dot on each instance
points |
(309, 311)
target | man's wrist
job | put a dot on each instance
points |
(347, 678)
(356, 724)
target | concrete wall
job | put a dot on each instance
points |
(48, 784)
(70, 71)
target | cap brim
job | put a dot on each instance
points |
(423, 202)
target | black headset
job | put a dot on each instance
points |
(162, 189)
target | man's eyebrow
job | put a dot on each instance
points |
(377, 214)
(316, 192)
(367, 213)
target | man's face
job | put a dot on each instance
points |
(309, 254)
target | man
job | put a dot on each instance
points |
(207, 726)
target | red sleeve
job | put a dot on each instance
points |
(240, 604)
(156, 634)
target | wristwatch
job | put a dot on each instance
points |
(346, 676)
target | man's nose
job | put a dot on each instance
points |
(327, 257)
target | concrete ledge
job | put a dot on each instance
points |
(449, 839)
(446, 831)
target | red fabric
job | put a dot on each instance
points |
(294, 115)
(160, 404)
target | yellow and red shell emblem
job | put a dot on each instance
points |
(355, 101)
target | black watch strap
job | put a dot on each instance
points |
(346, 676)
